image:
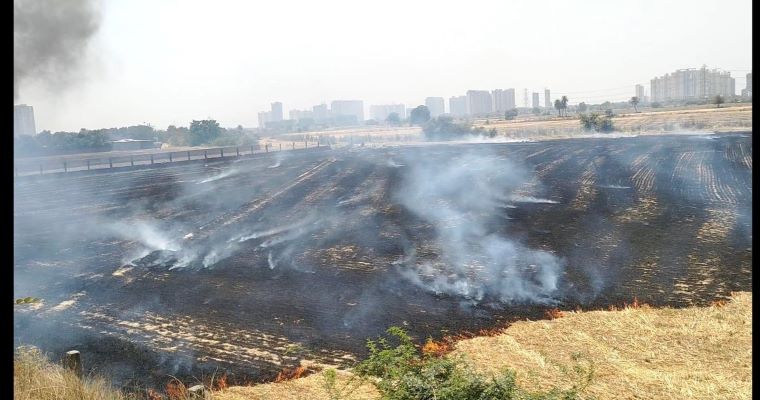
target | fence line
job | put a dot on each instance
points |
(26, 168)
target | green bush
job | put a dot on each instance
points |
(401, 372)
(596, 122)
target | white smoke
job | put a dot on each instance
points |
(463, 200)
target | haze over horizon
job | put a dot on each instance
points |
(175, 61)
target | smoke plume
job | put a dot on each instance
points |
(50, 40)
(478, 260)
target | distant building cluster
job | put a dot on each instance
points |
(23, 120)
(692, 84)
(381, 112)
(474, 103)
(340, 113)
(683, 84)
(503, 100)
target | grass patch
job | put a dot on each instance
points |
(34, 377)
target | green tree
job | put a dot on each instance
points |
(635, 101)
(563, 103)
(582, 107)
(419, 116)
(203, 132)
(536, 111)
(718, 100)
(393, 119)
(510, 114)
(558, 106)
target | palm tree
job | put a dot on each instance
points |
(564, 104)
(634, 100)
(558, 106)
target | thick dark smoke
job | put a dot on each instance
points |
(50, 40)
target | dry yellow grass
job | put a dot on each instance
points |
(312, 387)
(658, 121)
(35, 378)
(637, 353)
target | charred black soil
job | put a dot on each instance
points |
(301, 257)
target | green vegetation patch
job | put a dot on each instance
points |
(402, 372)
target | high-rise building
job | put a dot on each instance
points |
(321, 112)
(23, 120)
(264, 117)
(381, 112)
(436, 106)
(547, 99)
(479, 102)
(685, 84)
(300, 114)
(503, 100)
(343, 108)
(276, 114)
(458, 106)
(640, 92)
(525, 98)
(536, 104)
(747, 92)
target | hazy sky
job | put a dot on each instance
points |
(169, 62)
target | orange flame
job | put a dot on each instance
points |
(221, 383)
(176, 390)
(289, 374)
(719, 303)
(154, 395)
(437, 349)
(554, 313)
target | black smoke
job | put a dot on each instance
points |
(50, 40)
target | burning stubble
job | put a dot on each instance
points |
(461, 199)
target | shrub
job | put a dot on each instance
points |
(596, 122)
(401, 372)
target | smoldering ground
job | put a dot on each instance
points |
(331, 247)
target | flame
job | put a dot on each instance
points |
(554, 313)
(221, 383)
(436, 349)
(288, 374)
(176, 390)
(154, 395)
(718, 303)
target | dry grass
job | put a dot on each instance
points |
(35, 378)
(658, 121)
(637, 352)
(312, 387)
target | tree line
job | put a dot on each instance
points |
(203, 132)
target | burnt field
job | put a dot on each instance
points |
(254, 265)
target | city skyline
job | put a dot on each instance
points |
(132, 76)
